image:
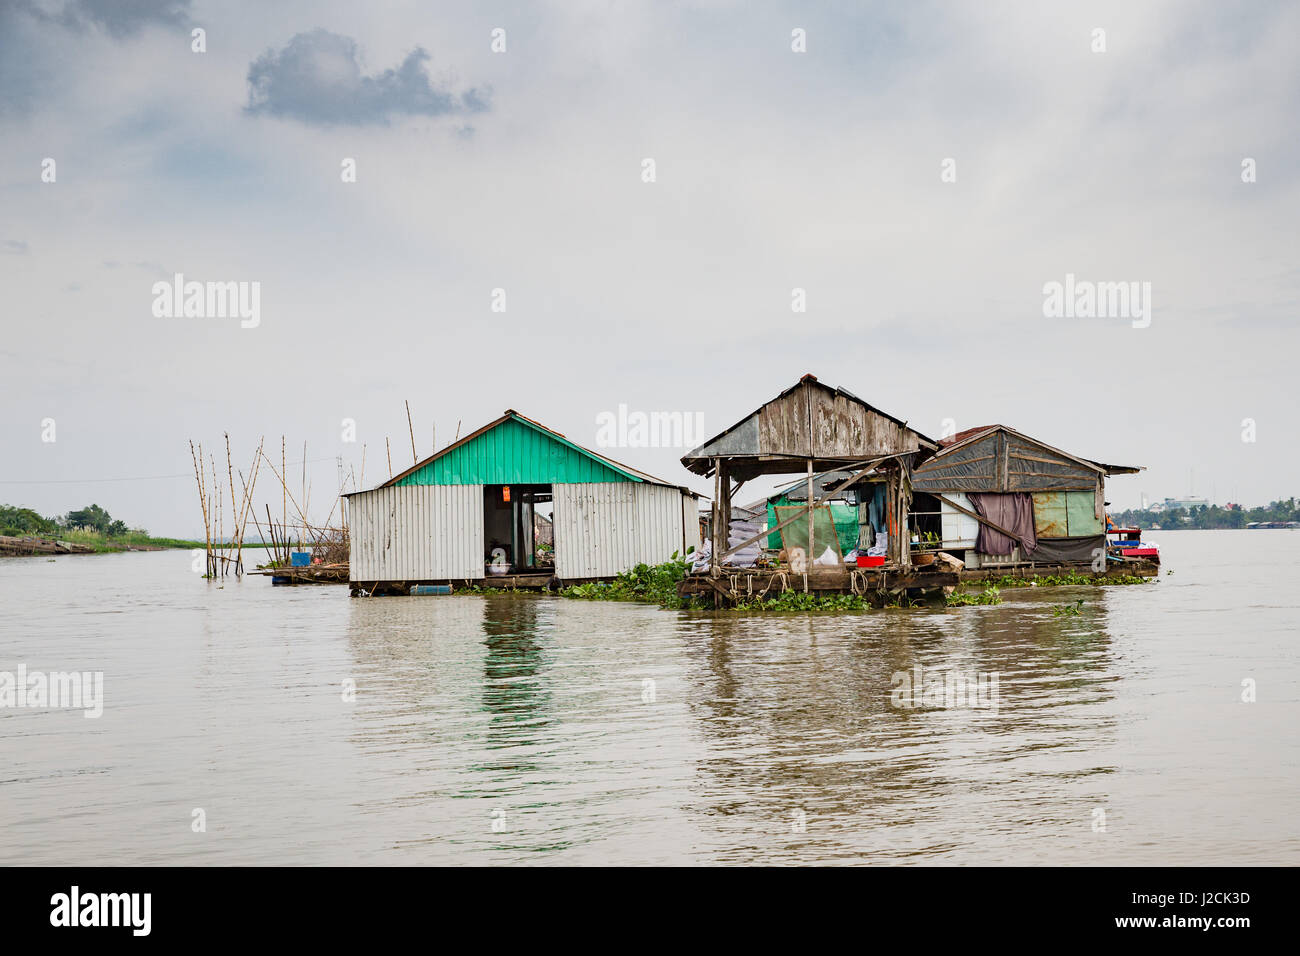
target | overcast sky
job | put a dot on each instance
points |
(522, 170)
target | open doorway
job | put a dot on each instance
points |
(544, 534)
(511, 529)
(925, 522)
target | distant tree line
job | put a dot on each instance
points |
(21, 521)
(1209, 516)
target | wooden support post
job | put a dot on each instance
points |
(722, 529)
(891, 519)
(726, 508)
(904, 504)
(715, 523)
(808, 558)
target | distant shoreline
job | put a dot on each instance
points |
(23, 546)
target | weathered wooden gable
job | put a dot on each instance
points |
(783, 426)
(813, 420)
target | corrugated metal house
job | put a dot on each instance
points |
(1067, 495)
(470, 510)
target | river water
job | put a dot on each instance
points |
(542, 730)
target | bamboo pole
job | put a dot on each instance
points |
(230, 474)
(284, 497)
(270, 529)
(216, 565)
(203, 504)
(414, 457)
(244, 507)
(288, 497)
(257, 524)
(209, 518)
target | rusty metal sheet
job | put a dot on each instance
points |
(1050, 515)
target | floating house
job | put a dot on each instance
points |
(812, 428)
(469, 514)
(995, 497)
(925, 514)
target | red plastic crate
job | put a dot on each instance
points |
(871, 561)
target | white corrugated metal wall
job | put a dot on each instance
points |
(416, 533)
(957, 530)
(690, 522)
(607, 527)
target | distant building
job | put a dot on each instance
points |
(544, 530)
(1186, 504)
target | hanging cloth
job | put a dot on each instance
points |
(1015, 512)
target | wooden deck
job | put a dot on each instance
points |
(534, 581)
(310, 574)
(1137, 567)
(746, 584)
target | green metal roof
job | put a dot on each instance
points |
(513, 450)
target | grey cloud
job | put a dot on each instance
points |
(122, 18)
(21, 69)
(13, 247)
(152, 268)
(317, 79)
(30, 35)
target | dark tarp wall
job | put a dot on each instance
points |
(1003, 461)
(1068, 550)
(966, 468)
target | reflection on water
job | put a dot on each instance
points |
(534, 729)
(802, 730)
(515, 675)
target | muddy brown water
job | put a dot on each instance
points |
(543, 730)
